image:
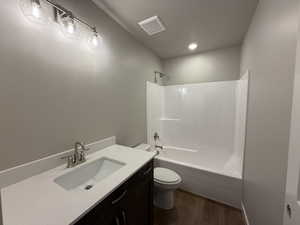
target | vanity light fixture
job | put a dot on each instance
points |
(193, 46)
(33, 9)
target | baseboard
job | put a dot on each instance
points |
(21, 172)
(211, 199)
(245, 214)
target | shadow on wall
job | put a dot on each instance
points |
(218, 65)
(45, 96)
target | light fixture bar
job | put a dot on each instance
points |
(85, 23)
(67, 12)
(58, 7)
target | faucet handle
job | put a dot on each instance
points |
(81, 145)
(82, 156)
(156, 136)
(84, 148)
(70, 160)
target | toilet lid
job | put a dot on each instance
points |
(165, 175)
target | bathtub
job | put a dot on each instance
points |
(216, 175)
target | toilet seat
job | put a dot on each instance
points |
(166, 176)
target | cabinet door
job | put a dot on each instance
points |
(130, 204)
(138, 209)
(100, 215)
(108, 211)
(111, 215)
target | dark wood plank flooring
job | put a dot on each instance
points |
(194, 210)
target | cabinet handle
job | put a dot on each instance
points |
(147, 171)
(124, 217)
(117, 220)
(119, 198)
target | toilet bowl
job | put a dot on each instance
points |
(166, 181)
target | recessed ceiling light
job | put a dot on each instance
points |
(193, 46)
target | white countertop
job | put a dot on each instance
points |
(39, 201)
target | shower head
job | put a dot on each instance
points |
(161, 75)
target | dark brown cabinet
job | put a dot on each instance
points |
(130, 204)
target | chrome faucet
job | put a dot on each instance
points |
(78, 157)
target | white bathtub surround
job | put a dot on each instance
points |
(209, 178)
(222, 164)
(154, 110)
(241, 116)
(201, 116)
(51, 204)
(16, 174)
(202, 128)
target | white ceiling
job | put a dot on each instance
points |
(212, 24)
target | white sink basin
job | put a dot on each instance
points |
(87, 175)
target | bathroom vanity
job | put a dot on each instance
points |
(113, 187)
(130, 204)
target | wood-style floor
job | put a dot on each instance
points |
(194, 210)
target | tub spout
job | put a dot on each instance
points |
(159, 146)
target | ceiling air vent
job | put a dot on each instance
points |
(152, 25)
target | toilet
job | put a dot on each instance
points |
(166, 181)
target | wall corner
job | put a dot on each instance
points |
(244, 212)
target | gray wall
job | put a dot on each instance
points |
(269, 53)
(54, 90)
(218, 65)
(1, 220)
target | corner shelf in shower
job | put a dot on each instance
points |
(169, 119)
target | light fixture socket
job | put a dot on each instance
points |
(193, 46)
(94, 39)
(33, 11)
(67, 23)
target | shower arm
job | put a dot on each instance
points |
(161, 75)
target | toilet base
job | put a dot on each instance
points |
(164, 199)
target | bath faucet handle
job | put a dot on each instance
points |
(70, 160)
(156, 136)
